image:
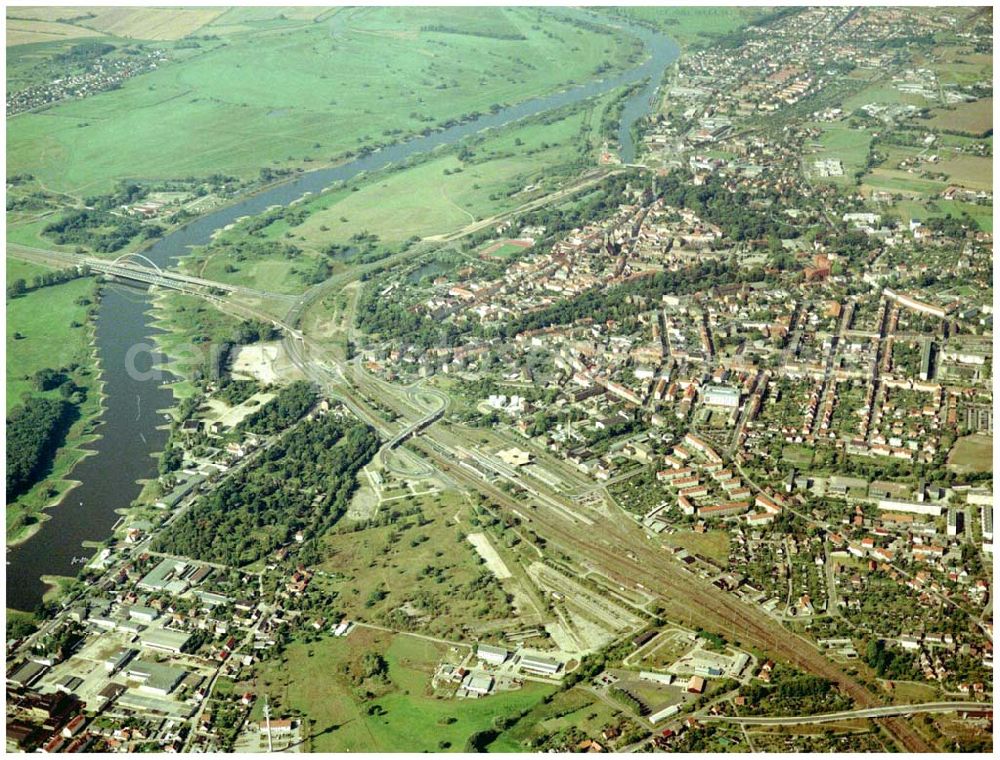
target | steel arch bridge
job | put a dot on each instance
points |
(138, 258)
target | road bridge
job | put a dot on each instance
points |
(138, 268)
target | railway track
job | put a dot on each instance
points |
(684, 596)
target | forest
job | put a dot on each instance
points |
(34, 432)
(284, 409)
(304, 481)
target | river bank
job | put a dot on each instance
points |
(26, 515)
(132, 423)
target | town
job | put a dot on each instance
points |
(699, 460)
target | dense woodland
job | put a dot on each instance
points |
(304, 481)
(284, 409)
(99, 230)
(34, 432)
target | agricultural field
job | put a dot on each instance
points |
(39, 24)
(311, 101)
(974, 118)
(26, 32)
(317, 679)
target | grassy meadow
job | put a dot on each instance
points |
(310, 678)
(40, 334)
(315, 92)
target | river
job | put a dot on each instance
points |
(131, 424)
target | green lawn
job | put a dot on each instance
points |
(304, 91)
(311, 679)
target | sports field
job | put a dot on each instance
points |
(316, 93)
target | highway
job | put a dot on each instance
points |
(873, 712)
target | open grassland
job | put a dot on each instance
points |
(44, 319)
(191, 328)
(447, 193)
(311, 679)
(316, 92)
(839, 141)
(134, 23)
(419, 573)
(256, 18)
(574, 708)
(693, 25)
(501, 171)
(974, 118)
(973, 453)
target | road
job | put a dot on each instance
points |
(598, 544)
(875, 712)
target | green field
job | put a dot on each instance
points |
(422, 577)
(573, 709)
(849, 145)
(694, 25)
(974, 118)
(973, 453)
(437, 196)
(915, 209)
(313, 94)
(43, 318)
(713, 544)
(310, 679)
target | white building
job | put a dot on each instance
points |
(925, 508)
(491, 655)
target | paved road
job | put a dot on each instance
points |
(873, 712)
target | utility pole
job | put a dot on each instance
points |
(267, 723)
